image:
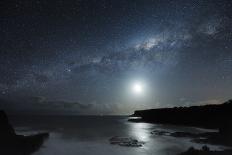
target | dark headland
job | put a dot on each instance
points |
(13, 144)
(207, 116)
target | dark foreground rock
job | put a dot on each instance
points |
(125, 141)
(13, 144)
(205, 151)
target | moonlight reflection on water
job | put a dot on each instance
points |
(140, 131)
(73, 135)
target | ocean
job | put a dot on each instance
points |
(89, 135)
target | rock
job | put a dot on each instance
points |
(184, 134)
(6, 129)
(161, 133)
(205, 151)
(13, 144)
(208, 116)
(126, 141)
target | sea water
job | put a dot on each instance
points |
(89, 135)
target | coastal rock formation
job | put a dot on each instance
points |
(205, 151)
(125, 141)
(13, 144)
(209, 116)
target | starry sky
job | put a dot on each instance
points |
(81, 56)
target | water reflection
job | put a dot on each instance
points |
(90, 136)
(140, 131)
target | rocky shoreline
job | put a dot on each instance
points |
(13, 144)
(126, 141)
(208, 116)
(205, 151)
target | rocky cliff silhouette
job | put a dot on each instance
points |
(209, 116)
(13, 144)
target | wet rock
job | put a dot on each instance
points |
(13, 144)
(125, 141)
(205, 151)
(161, 133)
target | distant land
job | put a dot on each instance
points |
(206, 116)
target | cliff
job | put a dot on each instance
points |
(209, 116)
(11, 143)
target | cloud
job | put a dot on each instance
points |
(186, 102)
(64, 105)
(41, 105)
(211, 101)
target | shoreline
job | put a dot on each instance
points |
(12, 143)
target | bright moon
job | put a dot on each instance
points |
(137, 88)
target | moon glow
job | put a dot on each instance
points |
(137, 88)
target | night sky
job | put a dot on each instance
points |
(82, 57)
